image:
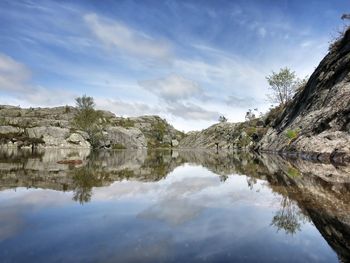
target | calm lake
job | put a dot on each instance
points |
(171, 206)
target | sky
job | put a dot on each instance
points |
(186, 61)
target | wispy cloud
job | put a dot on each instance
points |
(241, 102)
(180, 97)
(223, 73)
(117, 35)
(126, 108)
(172, 87)
(13, 75)
(15, 79)
(191, 111)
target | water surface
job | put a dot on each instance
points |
(171, 206)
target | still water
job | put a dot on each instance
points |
(171, 206)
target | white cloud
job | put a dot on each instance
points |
(168, 109)
(118, 35)
(15, 80)
(191, 111)
(241, 102)
(179, 97)
(306, 43)
(13, 75)
(224, 73)
(124, 108)
(172, 87)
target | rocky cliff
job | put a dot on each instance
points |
(318, 118)
(52, 128)
(314, 125)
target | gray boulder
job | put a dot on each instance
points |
(131, 138)
(78, 139)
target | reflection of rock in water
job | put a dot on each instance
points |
(41, 170)
(21, 168)
(321, 191)
(227, 163)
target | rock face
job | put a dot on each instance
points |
(52, 128)
(119, 137)
(78, 139)
(225, 136)
(144, 131)
(157, 131)
(218, 135)
(318, 118)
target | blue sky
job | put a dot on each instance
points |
(187, 61)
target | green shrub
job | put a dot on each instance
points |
(126, 174)
(87, 120)
(292, 134)
(2, 121)
(126, 123)
(66, 109)
(293, 172)
(118, 146)
(250, 131)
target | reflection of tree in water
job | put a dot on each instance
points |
(223, 178)
(251, 182)
(289, 217)
(84, 181)
(87, 177)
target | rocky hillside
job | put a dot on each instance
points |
(314, 125)
(52, 128)
(226, 135)
(318, 118)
